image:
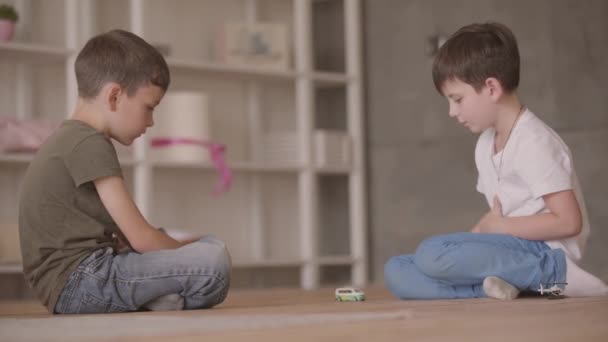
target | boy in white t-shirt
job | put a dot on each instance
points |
(537, 225)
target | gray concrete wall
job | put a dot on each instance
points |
(421, 168)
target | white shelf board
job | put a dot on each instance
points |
(33, 53)
(10, 268)
(330, 79)
(16, 158)
(267, 263)
(334, 170)
(26, 158)
(181, 64)
(234, 166)
(336, 260)
(322, 78)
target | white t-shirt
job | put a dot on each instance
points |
(536, 162)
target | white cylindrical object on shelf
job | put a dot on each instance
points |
(181, 115)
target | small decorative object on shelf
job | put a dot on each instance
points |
(24, 135)
(260, 44)
(8, 21)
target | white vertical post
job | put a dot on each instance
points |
(23, 31)
(253, 106)
(354, 107)
(72, 44)
(77, 32)
(307, 182)
(24, 82)
(142, 171)
(88, 25)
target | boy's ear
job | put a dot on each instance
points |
(494, 88)
(112, 93)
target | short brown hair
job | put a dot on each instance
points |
(122, 57)
(476, 52)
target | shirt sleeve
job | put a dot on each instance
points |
(93, 158)
(479, 185)
(545, 166)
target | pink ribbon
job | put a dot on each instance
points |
(217, 157)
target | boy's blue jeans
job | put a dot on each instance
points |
(455, 265)
(106, 282)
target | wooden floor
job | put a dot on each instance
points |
(294, 315)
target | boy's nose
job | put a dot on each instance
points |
(452, 112)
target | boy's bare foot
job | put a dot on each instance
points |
(495, 287)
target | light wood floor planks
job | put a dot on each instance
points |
(294, 315)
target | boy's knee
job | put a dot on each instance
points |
(222, 259)
(431, 257)
(224, 271)
(396, 277)
(225, 264)
(391, 271)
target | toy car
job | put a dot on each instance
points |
(553, 292)
(349, 294)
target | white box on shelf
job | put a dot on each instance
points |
(332, 148)
(181, 115)
(259, 44)
(279, 148)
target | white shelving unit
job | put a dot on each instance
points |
(273, 216)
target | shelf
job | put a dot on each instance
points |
(267, 263)
(334, 170)
(26, 158)
(270, 194)
(230, 70)
(16, 158)
(33, 53)
(324, 261)
(330, 79)
(10, 268)
(17, 268)
(234, 166)
(321, 78)
(336, 260)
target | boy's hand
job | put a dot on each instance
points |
(490, 222)
(184, 238)
(122, 244)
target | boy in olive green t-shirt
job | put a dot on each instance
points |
(75, 212)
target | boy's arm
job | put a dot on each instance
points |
(140, 234)
(563, 220)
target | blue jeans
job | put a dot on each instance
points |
(455, 265)
(107, 282)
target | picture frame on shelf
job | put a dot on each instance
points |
(261, 44)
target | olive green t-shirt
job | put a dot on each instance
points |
(61, 217)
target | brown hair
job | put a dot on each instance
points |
(476, 52)
(122, 57)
